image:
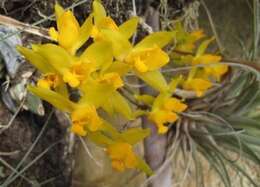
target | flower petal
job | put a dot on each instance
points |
(129, 27)
(120, 105)
(36, 59)
(135, 135)
(121, 46)
(55, 55)
(84, 33)
(54, 98)
(203, 46)
(58, 10)
(68, 30)
(157, 59)
(99, 11)
(99, 53)
(155, 79)
(159, 39)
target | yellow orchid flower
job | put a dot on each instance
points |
(165, 110)
(185, 40)
(145, 58)
(199, 85)
(69, 34)
(102, 21)
(112, 78)
(122, 156)
(75, 70)
(51, 79)
(85, 118)
(102, 92)
(215, 71)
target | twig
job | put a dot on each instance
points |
(9, 153)
(42, 32)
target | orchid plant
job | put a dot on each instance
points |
(99, 76)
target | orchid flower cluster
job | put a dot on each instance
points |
(99, 73)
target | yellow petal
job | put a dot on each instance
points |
(53, 98)
(99, 53)
(155, 79)
(107, 23)
(118, 165)
(55, 55)
(96, 93)
(147, 99)
(129, 27)
(120, 45)
(112, 79)
(58, 10)
(162, 129)
(69, 30)
(159, 39)
(119, 67)
(84, 34)
(143, 166)
(203, 46)
(120, 105)
(196, 35)
(157, 58)
(53, 34)
(135, 135)
(200, 86)
(43, 84)
(36, 60)
(71, 79)
(140, 66)
(99, 11)
(79, 130)
(206, 59)
(99, 138)
(175, 105)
